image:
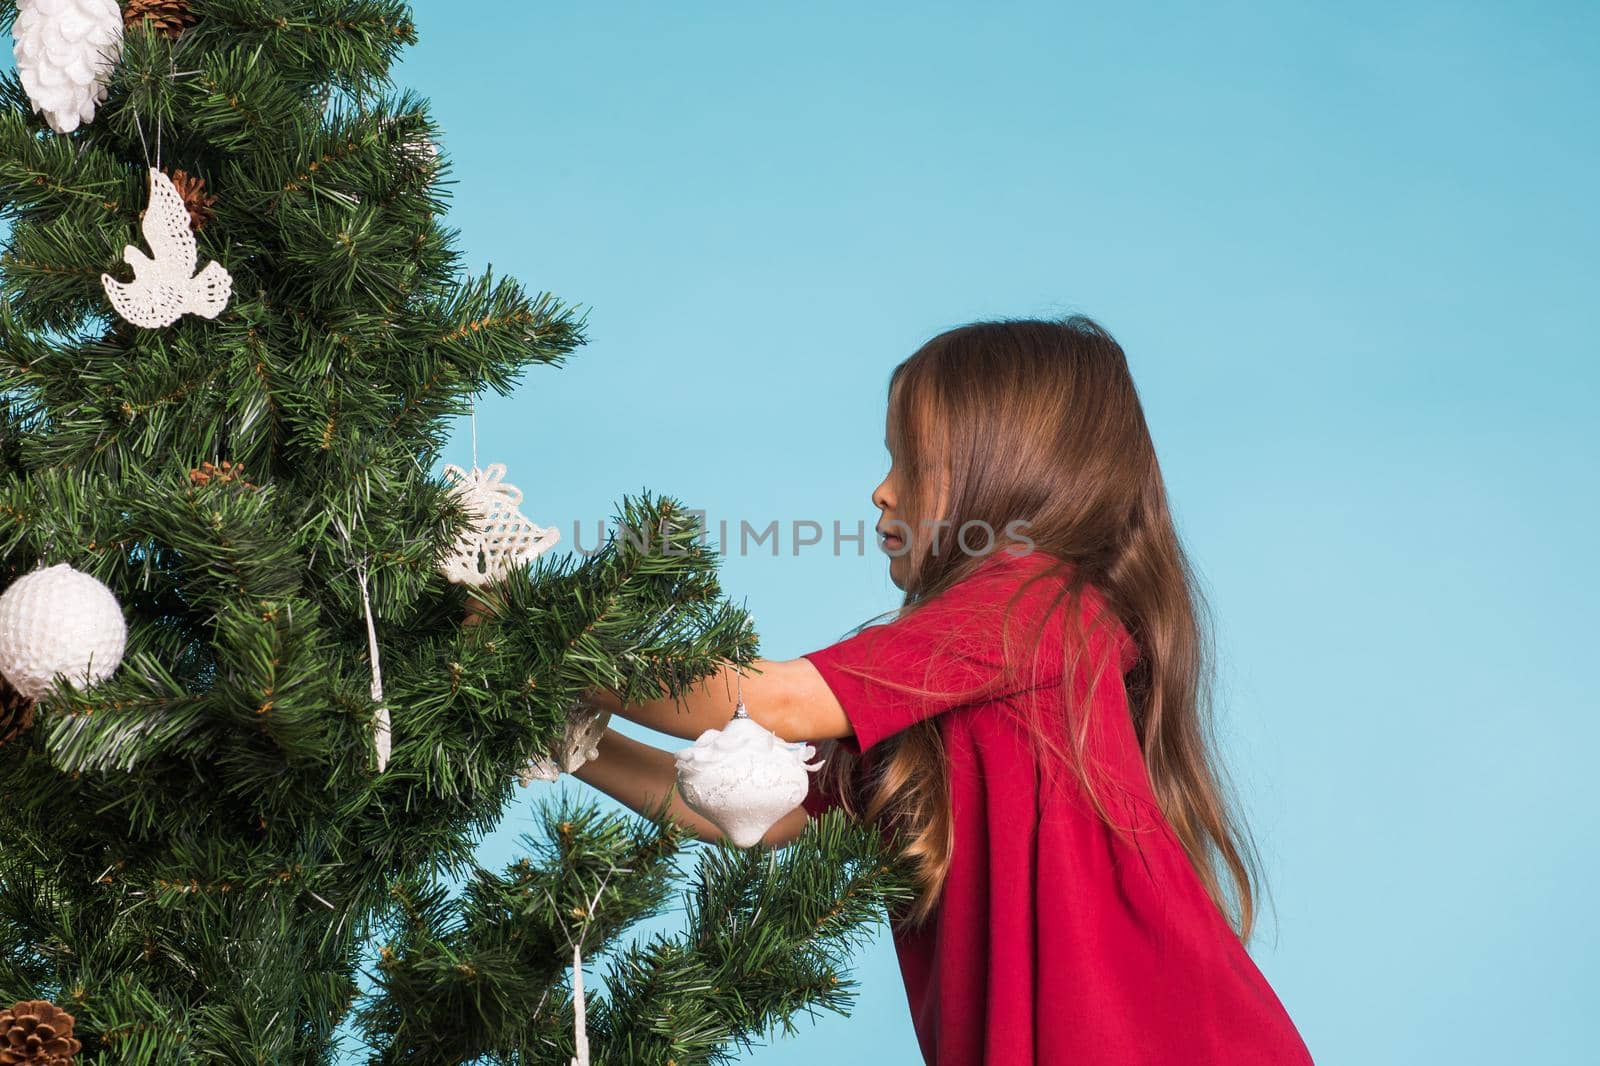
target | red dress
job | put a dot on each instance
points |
(1056, 940)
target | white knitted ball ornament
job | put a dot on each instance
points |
(56, 621)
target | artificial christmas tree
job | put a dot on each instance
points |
(203, 850)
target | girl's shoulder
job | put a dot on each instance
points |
(1004, 564)
(1032, 582)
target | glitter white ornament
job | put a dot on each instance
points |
(743, 778)
(65, 52)
(580, 742)
(57, 621)
(166, 287)
(501, 538)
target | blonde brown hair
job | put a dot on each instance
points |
(1038, 422)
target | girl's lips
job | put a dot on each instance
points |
(891, 541)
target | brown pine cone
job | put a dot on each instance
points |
(192, 188)
(170, 17)
(207, 472)
(36, 1033)
(16, 713)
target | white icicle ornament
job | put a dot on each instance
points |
(57, 621)
(743, 778)
(65, 52)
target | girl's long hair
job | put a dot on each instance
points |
(1039, 421)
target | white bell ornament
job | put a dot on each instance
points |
(500, 538)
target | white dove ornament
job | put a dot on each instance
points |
(743, 778)
(166, 287)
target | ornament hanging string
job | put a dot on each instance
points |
(380, 724)
(138, 124)
(474, 417)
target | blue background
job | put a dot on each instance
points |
(1351, 252)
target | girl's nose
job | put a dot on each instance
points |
(881, 497)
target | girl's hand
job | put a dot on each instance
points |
(641, 776)
(477, 611)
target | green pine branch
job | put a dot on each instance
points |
(468, 976)
(475, 977)
(767, 936)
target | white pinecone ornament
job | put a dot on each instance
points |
(57, 621)
(65, 53)
(743, 778)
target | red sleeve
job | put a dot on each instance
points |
(947, 652)
(818, 799)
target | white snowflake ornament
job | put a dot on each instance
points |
(586, 724)
(501, 538)
(166, 288)
(59, 622)
(743, 778)
(65, 51)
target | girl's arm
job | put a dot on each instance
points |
(787, 696)
(640, 777)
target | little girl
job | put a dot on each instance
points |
(1029, 727)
